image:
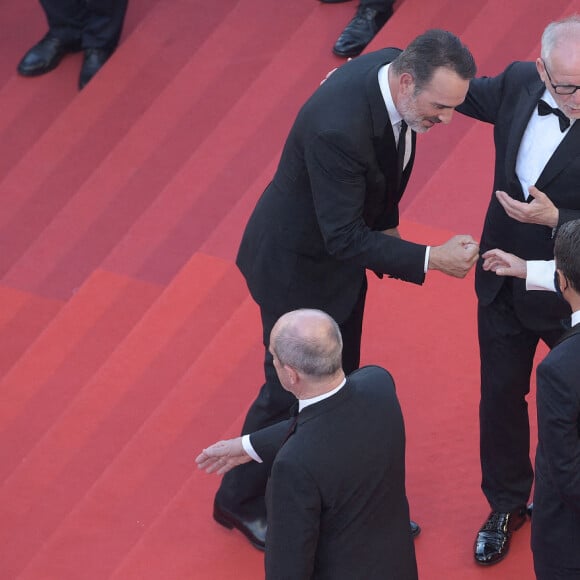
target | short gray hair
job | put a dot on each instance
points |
(554, 32)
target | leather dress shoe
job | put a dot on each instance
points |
(45, 55)
(415, 529)
(93, 60)
(253, 528)
(493, 539)
(360, 31)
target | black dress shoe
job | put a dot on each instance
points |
(253, 528)
(93, 60)
(493, 539)
(415, 529)
(360, 31)
(45, 56)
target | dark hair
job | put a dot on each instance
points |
(567, 252)
(431, 50)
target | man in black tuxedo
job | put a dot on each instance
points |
(537, 173)
(331, 212)
(93, 26)
(337, 507)
(556, 521)
(370, 17)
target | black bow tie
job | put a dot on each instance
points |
(545, 109)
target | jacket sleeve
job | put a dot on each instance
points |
(294, 506)
(267, 441)
(485, 95)
(339, 189)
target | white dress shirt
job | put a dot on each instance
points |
(541, 138)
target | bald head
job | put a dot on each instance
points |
(309, 341)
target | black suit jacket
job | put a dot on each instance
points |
(316, 227)
(556, 521)
(336, 502)
(507, 101)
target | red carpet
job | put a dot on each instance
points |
(128, 337)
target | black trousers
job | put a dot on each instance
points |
(507, 348)
(550, 571)
(242, 490)
(92, 23)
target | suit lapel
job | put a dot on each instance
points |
(383, 136)
(565, 152)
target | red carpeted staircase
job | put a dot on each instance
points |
(128, 340)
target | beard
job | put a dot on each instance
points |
(409, 112)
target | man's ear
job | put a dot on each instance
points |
(291, 373)
(406, 84)
(564, 283)
(541, 69)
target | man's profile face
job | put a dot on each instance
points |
(435, 102)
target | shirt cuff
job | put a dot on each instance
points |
(540, 275)
(247, 445)
(426, 264)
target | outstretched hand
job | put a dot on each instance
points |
(539, 211)
(455, 257)
(504, 264)
(222, 456)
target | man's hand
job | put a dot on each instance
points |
(504, 264)
(539, 211)
(222, 456)
(455, 257)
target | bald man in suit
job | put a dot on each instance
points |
(337, 507)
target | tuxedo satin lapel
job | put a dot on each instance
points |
(522, 113)
(568, 149)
